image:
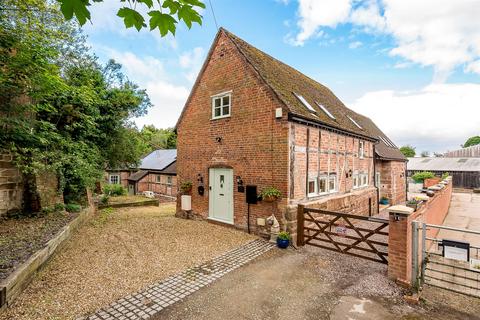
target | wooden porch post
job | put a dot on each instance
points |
(300, 225)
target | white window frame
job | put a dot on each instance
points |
(169, 180)
(221, 96)
(334, 178)
(377, 179)
(112, 176)
(361, 149)
(158, 178)
(315, 188)
(323, 177)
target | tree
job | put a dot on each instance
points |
(408, 151)
(158, 138)
(132, 15)
(472, 141)
(68, 117)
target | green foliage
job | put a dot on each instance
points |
(408, 151)
(283, 235)
(165, 18)
(186, 186)
(270, 192)
(445, 175)
(114, 190)
(104, 199)
(59, 206)
(472, 141)
(60, 110)
(73, 207)
(155, 139)
(419, 177)
(103, 217)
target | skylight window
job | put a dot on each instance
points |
(385, 141)
(304, 102)
(324, 109)
(355, 122)
(391, 142)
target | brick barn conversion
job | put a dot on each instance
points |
(157, 173)
(253, 120)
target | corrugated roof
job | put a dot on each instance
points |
(288, 83)
(443, 164)
(158, 159)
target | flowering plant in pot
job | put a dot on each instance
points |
(270, 194)
(383, 200)
(283, 239)
(186, 187)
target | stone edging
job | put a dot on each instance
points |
(15, 283)
(150, 202)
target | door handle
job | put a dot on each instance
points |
(221, 194)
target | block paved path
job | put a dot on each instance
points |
(155, 298)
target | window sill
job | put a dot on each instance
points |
(218, 118)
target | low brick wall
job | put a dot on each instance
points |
(431, 182)
(400, 233)
(11, 185)
(13, 286)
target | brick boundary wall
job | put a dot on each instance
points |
(400, 232)
(11, 184)
(431, 182)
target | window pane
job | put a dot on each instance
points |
(226, 110)
(217, 102)
(217, 112)
(332, 184)
(311, 187)
(226, 101)
(323, 185)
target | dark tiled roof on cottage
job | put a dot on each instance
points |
(289, 84)
(138, 175)
(159, 159)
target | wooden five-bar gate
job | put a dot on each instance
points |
(360, 236)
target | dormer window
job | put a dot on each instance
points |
(221, 105)
(305, 102)
(324, 109)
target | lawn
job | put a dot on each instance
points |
(20, 238)
(120, 252)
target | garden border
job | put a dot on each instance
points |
(149, 202)
(15, 283)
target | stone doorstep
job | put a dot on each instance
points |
(156, 297)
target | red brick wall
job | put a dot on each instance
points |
(11, 185)
(392, 180)
(253, 142)
(150, 183)
(431, 182)
(123, 177)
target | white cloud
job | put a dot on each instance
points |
(436, 118)
(355, 44)
(192, 60)
(443, 34)
(314, 14)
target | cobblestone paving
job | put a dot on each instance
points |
(153, 299)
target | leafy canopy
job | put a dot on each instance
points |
(162, 15)
(408, 151)
(472, 141)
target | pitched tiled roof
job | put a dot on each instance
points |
(285, 81)
(382, 150)
(443, 164)
(138, 175)
(158, 159)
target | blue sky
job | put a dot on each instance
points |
(412, 66)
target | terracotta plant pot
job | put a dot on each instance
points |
(269, 199)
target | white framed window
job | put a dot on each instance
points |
(361, 149)
(221, 105)
(377, 179)
(169, 180)
(360, 179)
(356, 180)
(114, 179)
(364, 178)
(332, 183)
(312, 187)
(158, 178)
(323, 184)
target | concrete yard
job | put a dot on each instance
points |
(311, 283)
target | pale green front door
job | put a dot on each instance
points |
(221, 195)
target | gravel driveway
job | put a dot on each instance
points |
(120, 252)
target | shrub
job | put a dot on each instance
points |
(270, 192)
(104, 199)
(73, 207)
(283, 235)
(59, 206)
(114, 190)
(419, 177)
(445, 175)
(186, 186)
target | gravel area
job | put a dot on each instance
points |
(20, 238)
(120, 252)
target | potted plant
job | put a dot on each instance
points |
(384, 200)
(270, 194)
(186, 199)
(414, 204)
(283, 239)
